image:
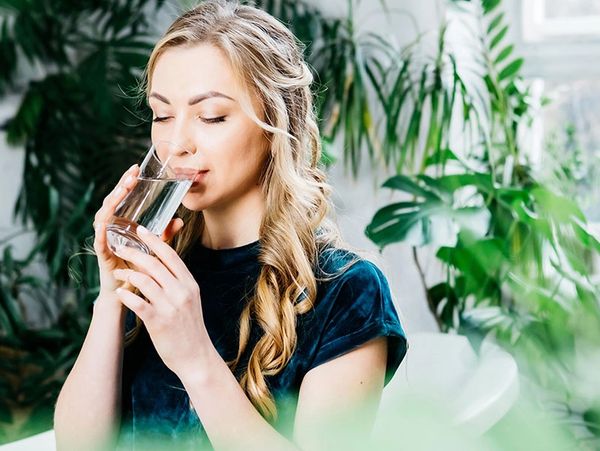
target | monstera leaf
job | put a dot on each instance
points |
(432, 218)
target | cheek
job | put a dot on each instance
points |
(226, 135)
(240, 147)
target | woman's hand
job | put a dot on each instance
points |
(107, 260)
(172, 311)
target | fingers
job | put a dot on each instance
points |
(127, 181)
(136, 304)
(103, 251)
(146, 284)
(100, 245)
(165, 254)
(112, 200)
(124, 180)
(149, 265)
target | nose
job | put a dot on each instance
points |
(178, 148)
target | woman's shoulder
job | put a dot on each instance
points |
(341, 265)
(354, 305)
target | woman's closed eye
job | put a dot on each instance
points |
(213, 120)
(208, 120)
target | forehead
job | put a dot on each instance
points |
(182, 72)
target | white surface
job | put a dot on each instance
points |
(443, 369)
(11, 167)
(356, 201)
(556, 51)
(39, 442)
(537, 26)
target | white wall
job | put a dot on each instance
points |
(557, 57)
(11, 168)
(358, 200)
(12, 159)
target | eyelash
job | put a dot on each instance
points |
(210, 120)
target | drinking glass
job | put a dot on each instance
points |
(152, 202)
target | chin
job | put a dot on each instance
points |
(195, 203)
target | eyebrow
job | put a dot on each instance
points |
(194, 100)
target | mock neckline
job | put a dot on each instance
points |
(224, 259)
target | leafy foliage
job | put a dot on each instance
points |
(80, 130)
(516, 254)
(343, 59)
(75, 124)
(35, 362)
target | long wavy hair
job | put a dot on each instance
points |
(268, 59)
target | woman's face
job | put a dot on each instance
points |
(195, 103)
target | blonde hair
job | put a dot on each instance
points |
(269, 61)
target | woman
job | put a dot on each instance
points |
(252, 329)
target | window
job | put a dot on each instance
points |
(571, 8)
(560, 40)
(572, 139)
(544, 19)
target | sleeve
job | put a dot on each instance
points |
(360, 308)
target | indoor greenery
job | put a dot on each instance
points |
(79, 131)
(515, 253)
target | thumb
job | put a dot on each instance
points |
(174, 226)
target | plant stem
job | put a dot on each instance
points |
(430, 302)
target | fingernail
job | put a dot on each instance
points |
(119, 191)
(143, 230)
(132, 167)
(128, 179)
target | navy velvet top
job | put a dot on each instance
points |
(351, 309)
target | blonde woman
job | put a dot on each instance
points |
(250, 327)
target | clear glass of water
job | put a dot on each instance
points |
(152, 202)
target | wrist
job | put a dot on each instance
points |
(200, 369)
(109, 302)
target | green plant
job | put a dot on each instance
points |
(79, 131)
(35, 361)
(516, 253)
(572, 168)
(343, 58)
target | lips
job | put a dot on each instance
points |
(198, 179)
(189, 173)
(199, 176)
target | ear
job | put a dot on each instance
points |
(174, 226)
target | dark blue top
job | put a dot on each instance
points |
(350, 310)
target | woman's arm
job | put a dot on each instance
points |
(338, 403)
(88, 406)
(339, 399)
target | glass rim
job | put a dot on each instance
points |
(157, 172)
